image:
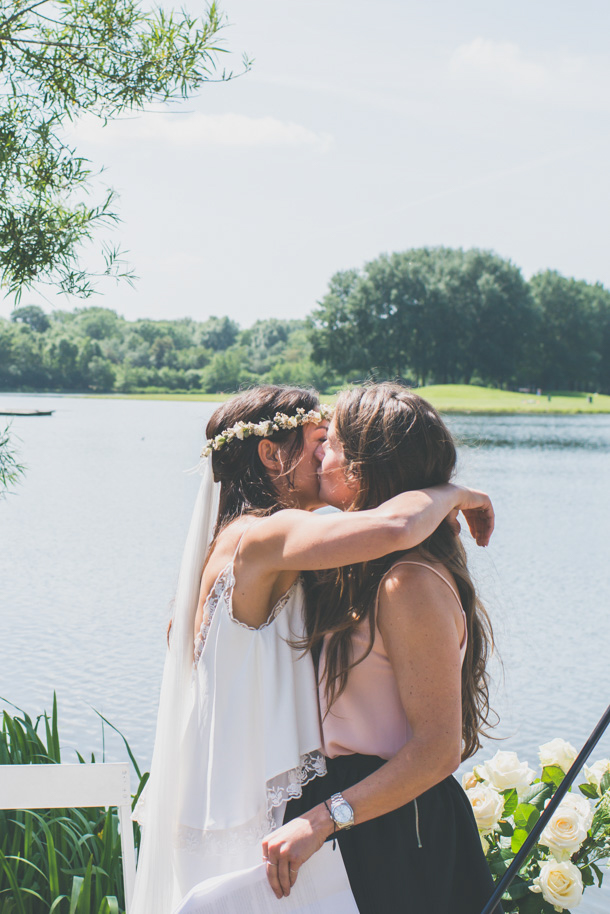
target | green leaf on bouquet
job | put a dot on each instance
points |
(497, 867)
(518, 890)
(547, 908)
(553, 774)
(506, 829)
(601, 819)
(517, 840)
(533, 904)
(598, 873)
(507, 853)
(605, 782)
(525, 816)
(589, 791)
(587, 875)
(511, 801)
(537, 794)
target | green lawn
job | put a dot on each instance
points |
(464, 398)
(452, 398)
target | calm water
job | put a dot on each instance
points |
(90, 547)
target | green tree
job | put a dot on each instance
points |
(33, 316)
(568, 354)
(427, 314)
(226, 371)
(334, 327)
(60, 59)
(218, 333)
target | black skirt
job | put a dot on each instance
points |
(423, 858)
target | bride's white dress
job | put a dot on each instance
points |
(252, 738)
(245, 738)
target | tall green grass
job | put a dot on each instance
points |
(57, 861)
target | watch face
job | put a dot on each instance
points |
(343, 813)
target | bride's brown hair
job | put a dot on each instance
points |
(394, 441)
(245, 486)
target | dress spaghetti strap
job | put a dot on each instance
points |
(249, 527)
(439, 575)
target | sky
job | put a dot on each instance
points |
(362, 128)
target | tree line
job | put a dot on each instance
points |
(428, 315)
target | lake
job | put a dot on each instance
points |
(90, 545)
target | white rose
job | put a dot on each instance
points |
(560, 884)
(487, 805)
(505, 770)
(565, 832)
(557, 752)
(469, 780)
(582, 807)
(595, 773)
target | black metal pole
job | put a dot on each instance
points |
(540, 825)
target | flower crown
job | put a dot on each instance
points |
(280, 422)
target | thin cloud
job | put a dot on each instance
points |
(562, 80)
(500, 62)
(201, 130)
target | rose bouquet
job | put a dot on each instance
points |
(507, 798)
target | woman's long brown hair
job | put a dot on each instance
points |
(394, 441)
(245, 486)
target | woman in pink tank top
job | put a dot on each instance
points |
(401, 645)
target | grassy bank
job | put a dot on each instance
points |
(464, 398)
(450, 398)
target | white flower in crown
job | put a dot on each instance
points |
(280, 422)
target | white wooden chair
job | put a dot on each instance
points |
(63, 786)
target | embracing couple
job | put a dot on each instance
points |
(326, 673)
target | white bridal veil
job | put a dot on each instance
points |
(155, 890)
(237, 736)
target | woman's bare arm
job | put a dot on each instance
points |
(421, 625)
(295, 540)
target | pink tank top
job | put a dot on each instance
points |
(368, 717)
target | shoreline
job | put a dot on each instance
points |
(458, 399)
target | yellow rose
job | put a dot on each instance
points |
(557, 752)
(469, 780)
(487, 806)
(565, 832)
(505, 770)
(560, 884)
(595, 773)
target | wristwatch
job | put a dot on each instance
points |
(341, 812)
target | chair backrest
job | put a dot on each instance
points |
(62, 786)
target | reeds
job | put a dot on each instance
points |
(58, 861)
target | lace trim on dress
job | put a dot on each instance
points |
(281, 603)
(289, 786)
(223, 585)
(224, 580)
(313, 765)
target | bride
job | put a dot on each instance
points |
(238, 726)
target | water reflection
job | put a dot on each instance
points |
(536, 432)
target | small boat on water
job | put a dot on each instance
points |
(26, 412)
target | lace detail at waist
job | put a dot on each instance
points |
(287, 786)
